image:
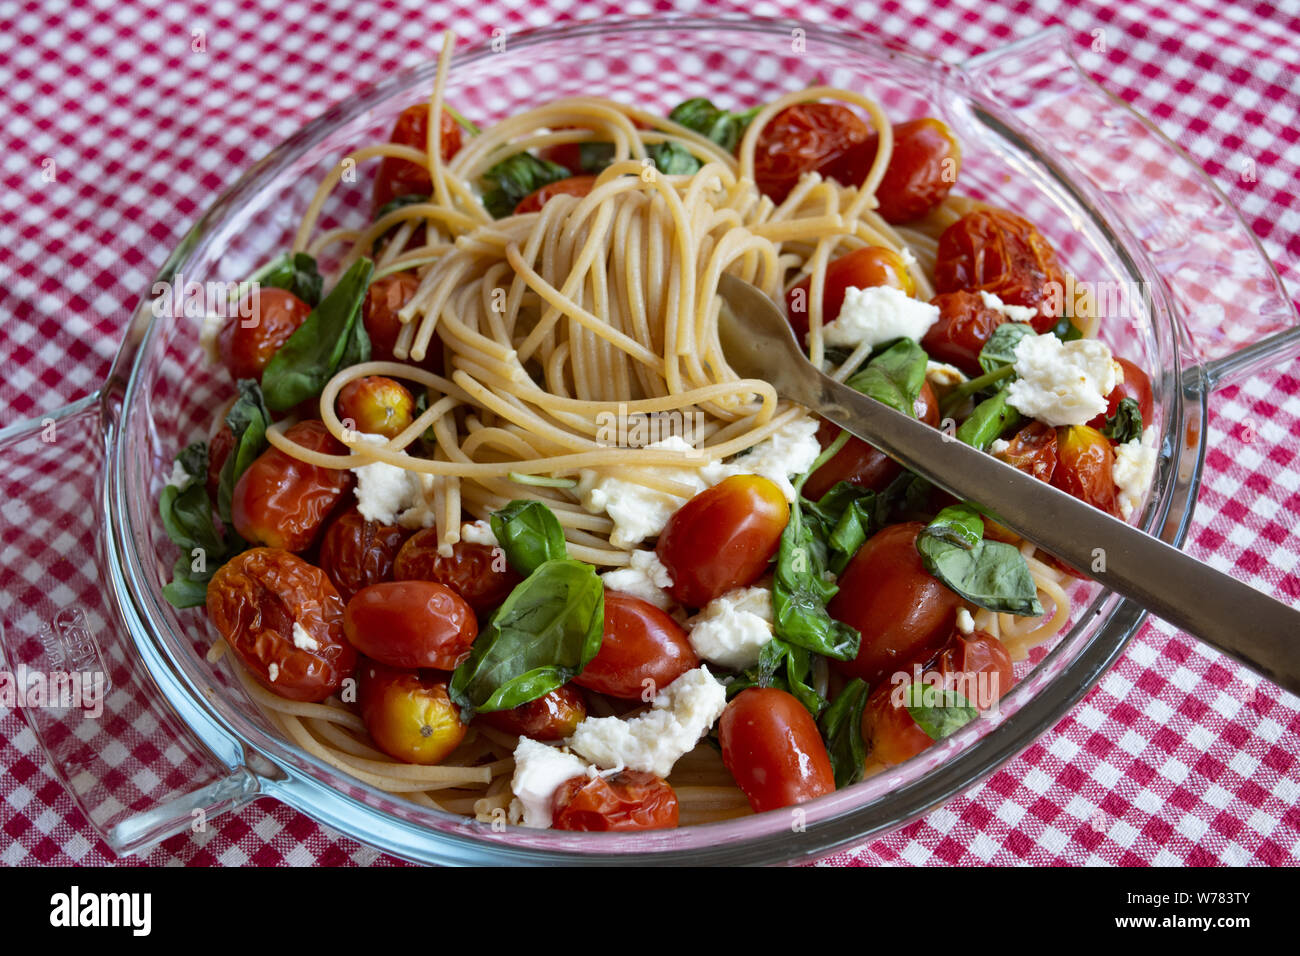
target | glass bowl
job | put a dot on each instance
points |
(1193, 299)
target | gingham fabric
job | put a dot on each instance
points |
(119, 133)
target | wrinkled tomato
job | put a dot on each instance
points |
(573, 186)
(401, 177)
(807, 138)
(410, 716)
(643, 651)
(921, 172)
(357, 553)
(479, 573)
(890, 733)
(410, 624)
(376, 405)
(772, 747)
(1086, 462)
(627, 800)
(964, 328)
(860, 269)
(264, 321)
(384, 299)
(553, 716)
(1032, 450)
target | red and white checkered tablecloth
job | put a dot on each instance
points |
(1179, 756)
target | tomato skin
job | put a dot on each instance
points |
(220, 446)
(903, 613)
(805, 138)
(553, 716)
(357, 553)
(771, 745)
(859, 463)
(921, 172)
(627, 800)
(1137, 386)
(401, 177)
(1086, 461)
(254, 600)
(479, 573)
(409, 716)
(722, 538)
(969, 656)
(999, 252)
(376, 405)
(860, 269)
(384, 298)
(273, 315)
(891, 735)
(410, 624)
(573, 186)
(964, 328)
(643, 650)
(1033, 451)
(282, 502)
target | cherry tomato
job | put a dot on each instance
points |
(284, 503)
(1086, 463)
(627, 800)
(219, 448)
(964, 327)
(401, 177)
(999, 252)
(771, 745)
(902, 612)
(859, 463)
(573, 186)
(410, 624)
(1033, 451)
(255, 600)
(891, 735)
(357, 553)
(722, 538)
(806, 138)
(247, 345)
(379, 314)
(860, 269)
(409, 716)
(553, 716)
(921, 172)
(1137, 386)
(479, 573)
(977, 666)
(376, 405)
(643, 650)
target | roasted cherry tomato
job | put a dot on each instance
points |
(806, 138)
(282, 502)
(1137, 386)
(921, 172)
(903, 613)
(263, 322)
(1032, 450)
(627, 800)
(771, 745)
(890, 733)
(722, 538)
(479, 573)
(219, 448)
(376, 405)
(1085, 465)
(553, 716)
(283, 620)
(409, 715)
(384, 298)
(642, 652)
(401, 177)
(964, 327)
(999, 252)
(357, 553)
(859, 463)
(573, 186)
(410, 624)
(859, 269)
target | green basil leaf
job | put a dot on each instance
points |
(530, 535)
(186, 589)
(725, 129)
(957, 524)
(1000, 350)
(318, 348)
(785, 667)
(247, 420)
(1126, 424)
(672, 158)
(990, 574)
(546, 632)
(894, 377)
(940, 712)
(594, 157)
(800, 591)
(297, 274)
(841, 727)
(990, 419)
(506, 184)
(1066, 330)
(186, 513)
(407, 199)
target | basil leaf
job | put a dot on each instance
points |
(506, 184)
(247, 420)
(1126, 424)
(319, 347)
(894, 377)
(990, 574)
(940, 712)
(186, 512)
(296, 274)
(800, 591)
(991, 418)
(785, 667)
(594, 157)
(672, 158)
(841, 727)
(957, 524)
(1066, 330)
(725, 129)
(408, 199)
(1000, 350)
(530, 535)
(851, 514)
(546, 632)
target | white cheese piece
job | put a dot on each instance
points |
(999, 445)
(1062, 383)
(390, 494)
(645, 577)
(273, 671)
(790, 450)
(1016, 313)
(539, 772)
(208, 334)
(878, 314)
(1135, 466)
(965, 623)
(302, 640)
(943, 375)
(478, 532)
(679, 716)
(733, 629)
(179, 475)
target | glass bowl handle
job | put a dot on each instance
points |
(1236, 315)
(70, 663)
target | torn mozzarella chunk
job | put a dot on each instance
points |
(1062, 383)
(879, 314)
(645, 577)
(1135, 466)
(732, 629)
(539, 772)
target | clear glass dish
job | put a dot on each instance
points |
(178, 741)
